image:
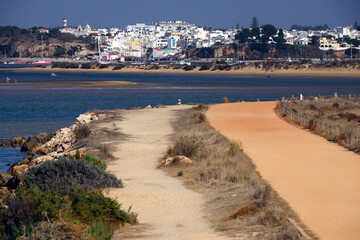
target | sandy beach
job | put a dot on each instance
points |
(75, 84)
(319, 179)
(248, 71)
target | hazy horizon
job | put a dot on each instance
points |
(112, 13)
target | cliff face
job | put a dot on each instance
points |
(33, 48)
(27, 43)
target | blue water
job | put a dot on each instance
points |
(28, 110)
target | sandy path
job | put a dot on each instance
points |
(163, 203)
(320, 180)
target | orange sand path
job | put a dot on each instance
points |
(319, 179)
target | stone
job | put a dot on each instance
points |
(177, 160)
(30, 144)
(5, 178)
(5, 144)
(15, 142)
(4, 194)
(148, 107)
(18, 173)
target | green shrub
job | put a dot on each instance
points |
(205, 67)
(86, 66)
(31, 206)
(94, 206)
(66, 173)
(103, 66)
(189, 68)
(26, 209)
(95, 161)
(101, 230)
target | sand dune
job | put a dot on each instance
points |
(319, 179)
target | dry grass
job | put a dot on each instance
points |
(99, 140)
(238, 201)
(341, 112)
(59, 230)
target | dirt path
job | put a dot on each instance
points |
(166, 208)
(320, 180)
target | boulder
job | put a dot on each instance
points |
(15, 142)
(4, 194)
(177, 160)
(148, 107)
(5, 143)
(30, 144)
(5, 178)
(18, 173)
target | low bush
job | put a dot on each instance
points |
(86, 66)
(101, 230)
(186, 145)
(225, 100)
(31, 206)
(189, 68)
(66, 173)
(205, 67)
(95, 161)
(94, 206)
(82, 131)
(103, 66)
(118, 67)
(201, 107)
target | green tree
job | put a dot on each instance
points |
(255, 32)
(354, 51)
(356, 25)
(254, 23)
(314, 41)
(269, 30)
(281, 33)
(243, 36)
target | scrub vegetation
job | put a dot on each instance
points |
(63, 198)
(238, 201)
(336, 119)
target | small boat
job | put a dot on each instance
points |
(41, 62)
(53, 74)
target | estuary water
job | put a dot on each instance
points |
(28, 110)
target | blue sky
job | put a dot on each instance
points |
(214, 13)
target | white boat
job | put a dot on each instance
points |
(41, 62)
(53, 74)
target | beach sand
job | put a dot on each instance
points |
(320, 180)
(247, 71)
(75, 84)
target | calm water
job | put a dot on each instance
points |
(28, 110)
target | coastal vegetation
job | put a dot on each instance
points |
(336, 118)
(66, 191)
(236, 195)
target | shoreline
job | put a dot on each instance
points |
(248, 71)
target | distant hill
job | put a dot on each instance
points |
(19, 42)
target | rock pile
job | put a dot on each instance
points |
(40, 148)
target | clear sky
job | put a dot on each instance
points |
(211, 13)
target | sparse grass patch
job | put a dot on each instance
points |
(236, 196)
(336, 119)
(82, 131)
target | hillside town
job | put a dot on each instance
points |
(179, 41)
(170, 39)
